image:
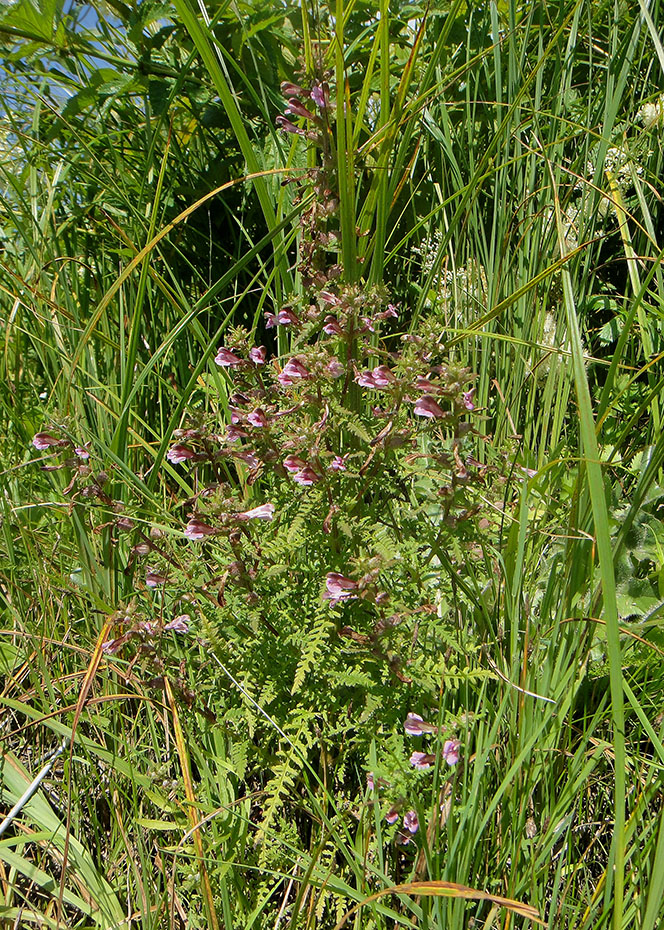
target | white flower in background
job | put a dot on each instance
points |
(650, 114)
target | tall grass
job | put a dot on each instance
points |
(498, 172)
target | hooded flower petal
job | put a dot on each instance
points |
(227, 359)
(293, 371)
(451, 751)
(262, 512)
(154, 579)
(45, 440)
(331, 326)
(257, 418)
(306, 476)
(180, 453)
(179, 624)
(335, 368)
(410, 821)
(257, 355)
(339, 588)
(293, 463)
(422, 760)
(392, 815)
(382, 376)
(426, 406)
(196, 529)
(412, 725)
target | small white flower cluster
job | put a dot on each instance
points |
(652, 114)
(461, 293)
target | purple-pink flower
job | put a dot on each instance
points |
(180, 453)
(338, 463)
(257, 355)
(233, 433)
(392, 815)
(248, 458)
(286, 126)
(227, 359)
(262, 512)
(339, 588)
(467, 399)
(412, 725)
(154, 579)
(196, 529)
(293, 371)
(82, 452)
(426, 406)
(43, 441)
(257, 418)
(335, 368)
(410, 821)
(179, 624)
(306, 476)
(293, 463)
(382, 376)
(451, 751)
(320, 94)
(331, 326)
(287, 316)
(422, 760)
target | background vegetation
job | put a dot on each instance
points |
(228, 579)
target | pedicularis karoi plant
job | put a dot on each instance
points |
(307, 555)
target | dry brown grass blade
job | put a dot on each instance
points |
(191, 811)
(440, 889)
(80, 704)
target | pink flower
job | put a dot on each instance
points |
(44, 440)
(451, 751)
(392, 815)
(298, 109)
(365, 379)
(154, 579)
(227, 359)
(233, 433)
(410, 821)
(262, 512)
(338, 463)
(257, 418)
(332, 327)
(180, 453)
(196, 529)
(370, 781)
(335, 368)
(289, 89)
(180, 624)
(306, 476)
(292, 372)
(422, 760)
(82, 452)
(427, 407)
(412, 725)
(293, 463)
(382, 376)
(248, 458)
(320, 94)
(329, 298)
(287, 316)
(467, 399)
(270, 320)
(257, 355)
(286, 126)
(339, 588)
